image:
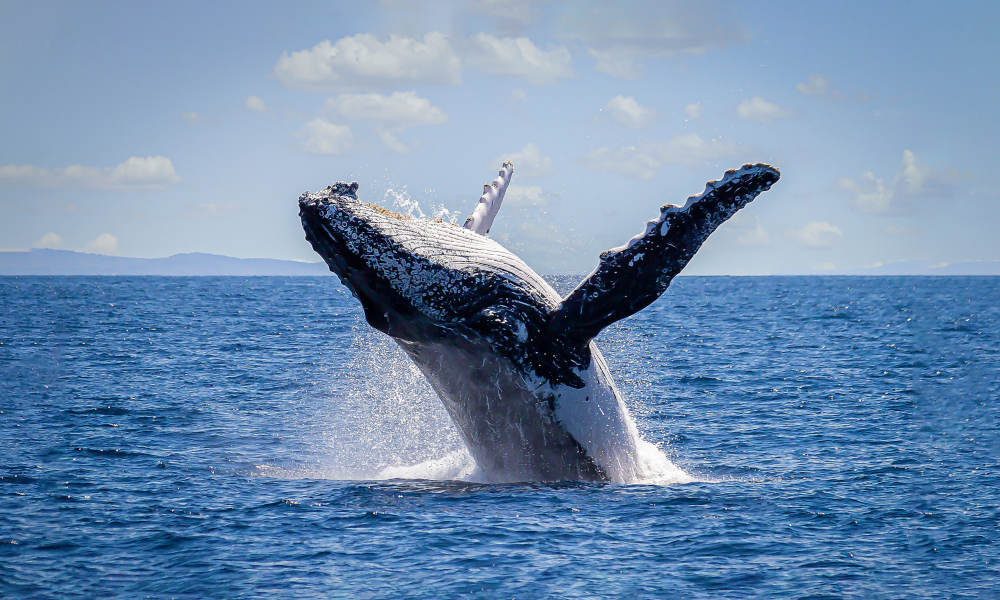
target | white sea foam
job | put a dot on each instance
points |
(656, 469)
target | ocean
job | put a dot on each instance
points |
(203, 437)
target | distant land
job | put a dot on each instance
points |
(67, 262)
(926, 267)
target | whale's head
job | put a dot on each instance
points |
(425, 279)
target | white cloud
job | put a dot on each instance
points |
(400, 109)
(518, 95)
(693, 110)
(914, 183)
(617, 63)
(625, 110)
(525, 195)
(151, 172)
(528, 161)
(692, 149)
(818, 234)
(393, 113)
(391, 141)
(758, 109)
(869, 193)
(255, 104)
(618, 42)
(102, 244)
(748, 230)
(192, 117)
(49, 240)
(757, 236)
(630, 161)
(363, 60)
(519, 57)
(816, 85)
(642, 162)
(320, 136)
(138, 171)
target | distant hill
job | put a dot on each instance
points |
(916, 267)
(67, 262)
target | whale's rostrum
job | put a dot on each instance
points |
(513, 362)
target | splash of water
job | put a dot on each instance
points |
(655, 468)
(401, 201)
(383, 421)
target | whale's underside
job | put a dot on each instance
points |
(514, 362)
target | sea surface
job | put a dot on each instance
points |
(251, 437)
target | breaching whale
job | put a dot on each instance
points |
(514, 363)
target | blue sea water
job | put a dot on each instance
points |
(237, 437)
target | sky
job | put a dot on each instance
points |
(148, 129)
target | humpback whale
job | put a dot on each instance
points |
(515, 363)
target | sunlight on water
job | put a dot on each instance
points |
(850, 453)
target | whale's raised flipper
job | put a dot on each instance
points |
(632, 276)
(486, 210)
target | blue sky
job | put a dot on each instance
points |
(147, 129)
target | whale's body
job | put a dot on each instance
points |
(513, 362)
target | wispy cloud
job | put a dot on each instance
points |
(619, 39)
(528, 161)
(150, 172)
(626, 111)
(320, 136)
(748, 230)
(255, 104)
(526, 195)
(643, 161)
(399, 109)
(102, 244)
(818, 234)
(49, 240)
(519, 57)
(391, 113)
(815, 85)
(758, 109)
(913, 184)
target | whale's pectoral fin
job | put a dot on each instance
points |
(486, 210)
(631, 277)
